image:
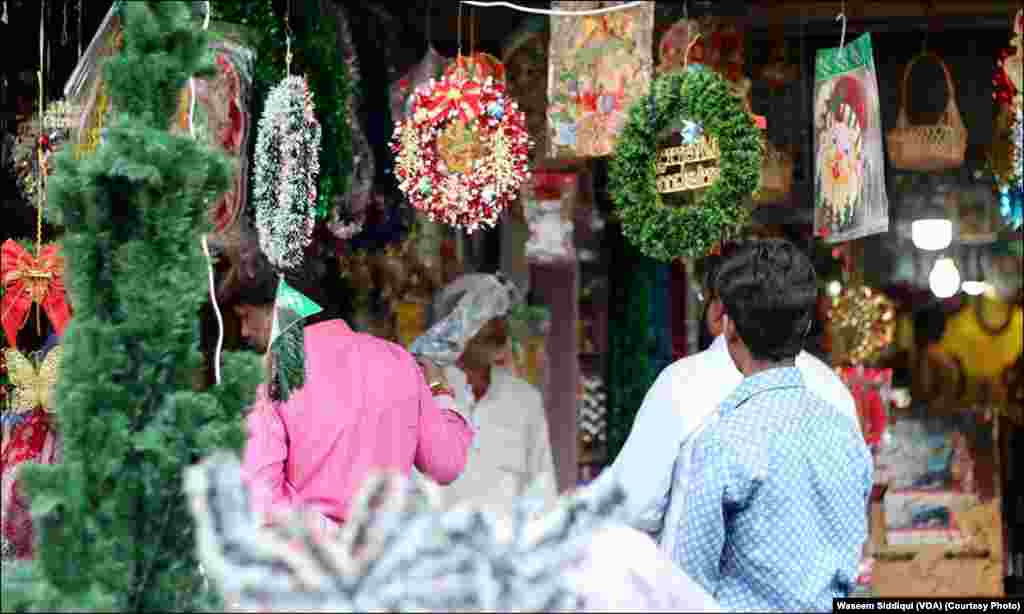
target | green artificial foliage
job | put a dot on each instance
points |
(666, 232)
(632, 364)
(316, 54)
(112, 524)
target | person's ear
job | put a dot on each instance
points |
(729, 328)
(715, 310)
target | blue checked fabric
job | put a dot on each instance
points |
(776, 499)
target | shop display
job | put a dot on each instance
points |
(939, 454)
(216, 110)
(463, 154)
(718, 154)
(592, 418)
(29, 280)
(928, 148)
(598, 67)
(33, 439)
(131, 415)
(548, 204)
(871, 389)
(717, 43)
(850, 199)
(861, 324)
(287, 165)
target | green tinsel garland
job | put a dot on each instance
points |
(315, 51)
(631, 367)
(669, 232)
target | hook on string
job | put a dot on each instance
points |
(841, 17)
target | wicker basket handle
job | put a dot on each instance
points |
(951, 116)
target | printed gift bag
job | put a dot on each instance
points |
(850, 200)
(598, 65)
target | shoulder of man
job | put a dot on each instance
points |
(823, 382)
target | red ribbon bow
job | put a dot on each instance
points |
(457, 94)
(30, 280)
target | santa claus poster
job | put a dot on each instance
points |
(850, 199)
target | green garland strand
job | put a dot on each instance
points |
(665, 232)
(631, 367)
(315, 50)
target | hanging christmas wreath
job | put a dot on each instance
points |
(285, 179)
(697, 102)
(461, 156)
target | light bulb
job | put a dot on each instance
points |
(931, 234)
(835, 288)
(944, 278)
(974, 288)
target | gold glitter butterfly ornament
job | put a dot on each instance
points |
(32, 386)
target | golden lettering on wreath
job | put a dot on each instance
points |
(691, 166)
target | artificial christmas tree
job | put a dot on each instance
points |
(115, 533)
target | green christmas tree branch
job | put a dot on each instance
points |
(112, 524)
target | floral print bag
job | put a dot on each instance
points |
(598, 66)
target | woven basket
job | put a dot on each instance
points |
(933, 147)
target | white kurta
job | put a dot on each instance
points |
(683, 396)
(512, 455)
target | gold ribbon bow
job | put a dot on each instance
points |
(32, 386)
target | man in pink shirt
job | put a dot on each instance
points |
(365, 407)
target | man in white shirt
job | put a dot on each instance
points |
(684, 394)
(512, 452)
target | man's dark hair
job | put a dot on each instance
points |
(252, 280)
(769, 290)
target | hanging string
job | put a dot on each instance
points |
(842, 17)
(430, 20)
(41, 193)
(64, 36)
(216, 311)
(81, 9)
(206, 247)
(527, 9)
(459, 53)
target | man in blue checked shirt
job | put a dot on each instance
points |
(775, 486)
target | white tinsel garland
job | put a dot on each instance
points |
(285, 177)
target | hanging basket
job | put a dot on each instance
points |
(928, 148)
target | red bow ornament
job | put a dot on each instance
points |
(454, 96)
(30, 280)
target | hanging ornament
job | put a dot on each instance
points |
(461, 156)
(287, 166)
(592, 420)
(28, 279)
(861, 323)
(33, 385)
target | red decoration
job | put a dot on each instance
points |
(870, 388)
(461, 155)
(30, 280)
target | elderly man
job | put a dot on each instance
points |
(513, 452)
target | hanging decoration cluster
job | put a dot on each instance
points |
(287, 167)
(1007, 92)
(862, 323)
(461, 155)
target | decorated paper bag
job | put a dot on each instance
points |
(598, 65)
(850, 199)
(548, 204)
